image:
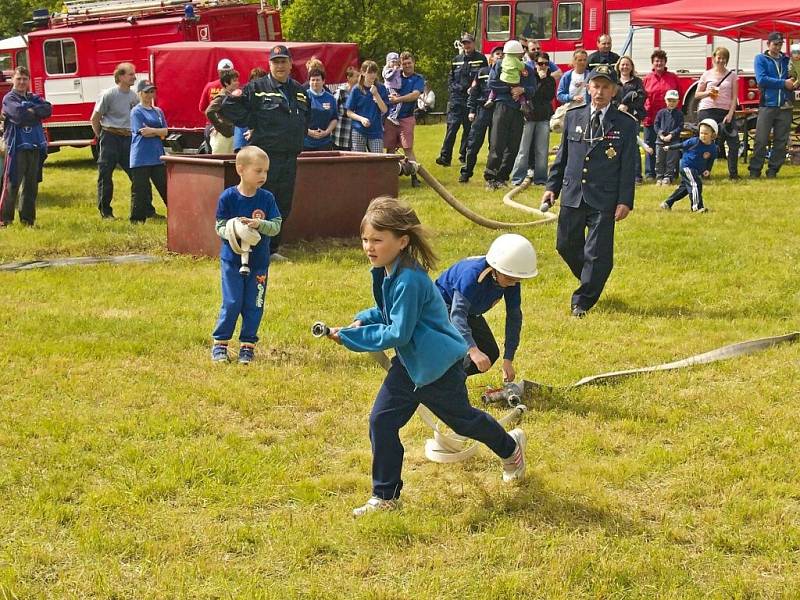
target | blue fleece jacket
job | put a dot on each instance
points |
(409, 316)
(469, 289)
(771, 75)
(696, 154)
(669, 120)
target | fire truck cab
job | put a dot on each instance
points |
(72, 55)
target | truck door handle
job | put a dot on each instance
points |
(76, 83)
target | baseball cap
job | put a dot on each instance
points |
(467, 37)
(392, 56)
(794, 48)
(225, 65)
(279, 51)
(144, 85)
(775, 36)
(606, 71)
(672, 95)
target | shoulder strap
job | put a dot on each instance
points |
(719, 83)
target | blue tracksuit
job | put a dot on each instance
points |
(244, 295)
(695, 159)
(410, 316)
(469, 290)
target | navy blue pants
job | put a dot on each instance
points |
(691, 185)
(240, 296)
(447, 399)
(477, 135)
(457, 118)
(114, 150)
(280, 182)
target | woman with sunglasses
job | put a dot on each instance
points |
(148, 129)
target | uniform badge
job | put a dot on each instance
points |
(258, 214)
(578, 129)
(610, 152)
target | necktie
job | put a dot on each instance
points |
(596, 126)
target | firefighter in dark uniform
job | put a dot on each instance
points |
(463, 70)
(594, 172)
(478, 115)
(275, 109)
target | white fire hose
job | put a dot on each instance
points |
(241, 239)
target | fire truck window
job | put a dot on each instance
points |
(22, 58)
(59, 57)
(535, 20)
(569, 21)
(5, 62)
(498, 22)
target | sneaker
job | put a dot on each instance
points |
(638, 181)
(491, 185)
(755, 174)
(666, 181)
(578, 312)
(247, 352)
(414, 181)
(109, 216)
(275, 257)
(514, 465)
(702, 209)
(463, 178)
(660, 181)
(734, 177)
(665, 206)
(376, 504)
(219, 353)
(650, 178)
(771, 174)
(442, 162)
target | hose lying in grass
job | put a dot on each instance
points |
(447, 447)
(78, 260)
(472, 215)
(508, 200)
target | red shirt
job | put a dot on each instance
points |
(209, 93)
(656, 86)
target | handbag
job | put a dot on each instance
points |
(557, 120)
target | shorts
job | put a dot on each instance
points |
(399, 136)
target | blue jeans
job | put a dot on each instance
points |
(241, 296)
(650, 159)
(447, 398)
(535, 138)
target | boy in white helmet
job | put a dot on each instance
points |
(474, 285)
(698, 152)
(511, 69)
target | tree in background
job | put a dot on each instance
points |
(16, 12)
(427, 28)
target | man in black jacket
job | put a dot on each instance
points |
(275, 109)
(463, 70)
(594, 173)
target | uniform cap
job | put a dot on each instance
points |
(467, 37)
(606, 71)
(672, 95)
(279, 51)
(225, 65)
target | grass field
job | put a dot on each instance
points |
(131, 467)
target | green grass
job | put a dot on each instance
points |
(130, 467)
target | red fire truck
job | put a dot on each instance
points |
(72, 55)
(564, 25)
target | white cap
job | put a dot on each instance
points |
(513, 47)
(225, 65)
(672, 95)
(711, 123)
(794, 48)
(513, 255)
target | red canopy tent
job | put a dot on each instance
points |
(736, 19)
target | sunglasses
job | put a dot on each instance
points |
(543, 64)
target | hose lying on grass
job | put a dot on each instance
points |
(448, 447)
(78, 260)
(475, 217)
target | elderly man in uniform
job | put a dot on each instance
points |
(275, 108)
(594, 172)
(463, 70)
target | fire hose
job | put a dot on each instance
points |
(448, 447)
(472, 215)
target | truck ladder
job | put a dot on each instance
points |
(77, 9)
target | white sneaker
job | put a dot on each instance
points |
(376, 504)
(275, 257)
(514, 465)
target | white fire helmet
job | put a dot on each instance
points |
(225, 65)
(513, 255)
(513, 47)
(711, 123)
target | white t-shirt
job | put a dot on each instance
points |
(577, 84)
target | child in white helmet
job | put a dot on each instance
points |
(697, 153)
(471, 287)
(511, 70)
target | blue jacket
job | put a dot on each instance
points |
(771, 74)
(562, 94)
(502, 90)
(409, 316)
(696, 154)
(469, 289)
(669, 120)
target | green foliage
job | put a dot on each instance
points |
(427, 28)
(131, 467)
(16, 12)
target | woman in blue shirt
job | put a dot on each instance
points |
(366, 105)
(148, 128)
(324, 113)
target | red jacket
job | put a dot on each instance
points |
(656, 86)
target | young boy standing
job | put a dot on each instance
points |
(244, 295)
(697, 152)
(668, 126)
(472, 286)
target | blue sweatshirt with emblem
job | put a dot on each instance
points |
(469, 289)
(696, 154)
(409, 316)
